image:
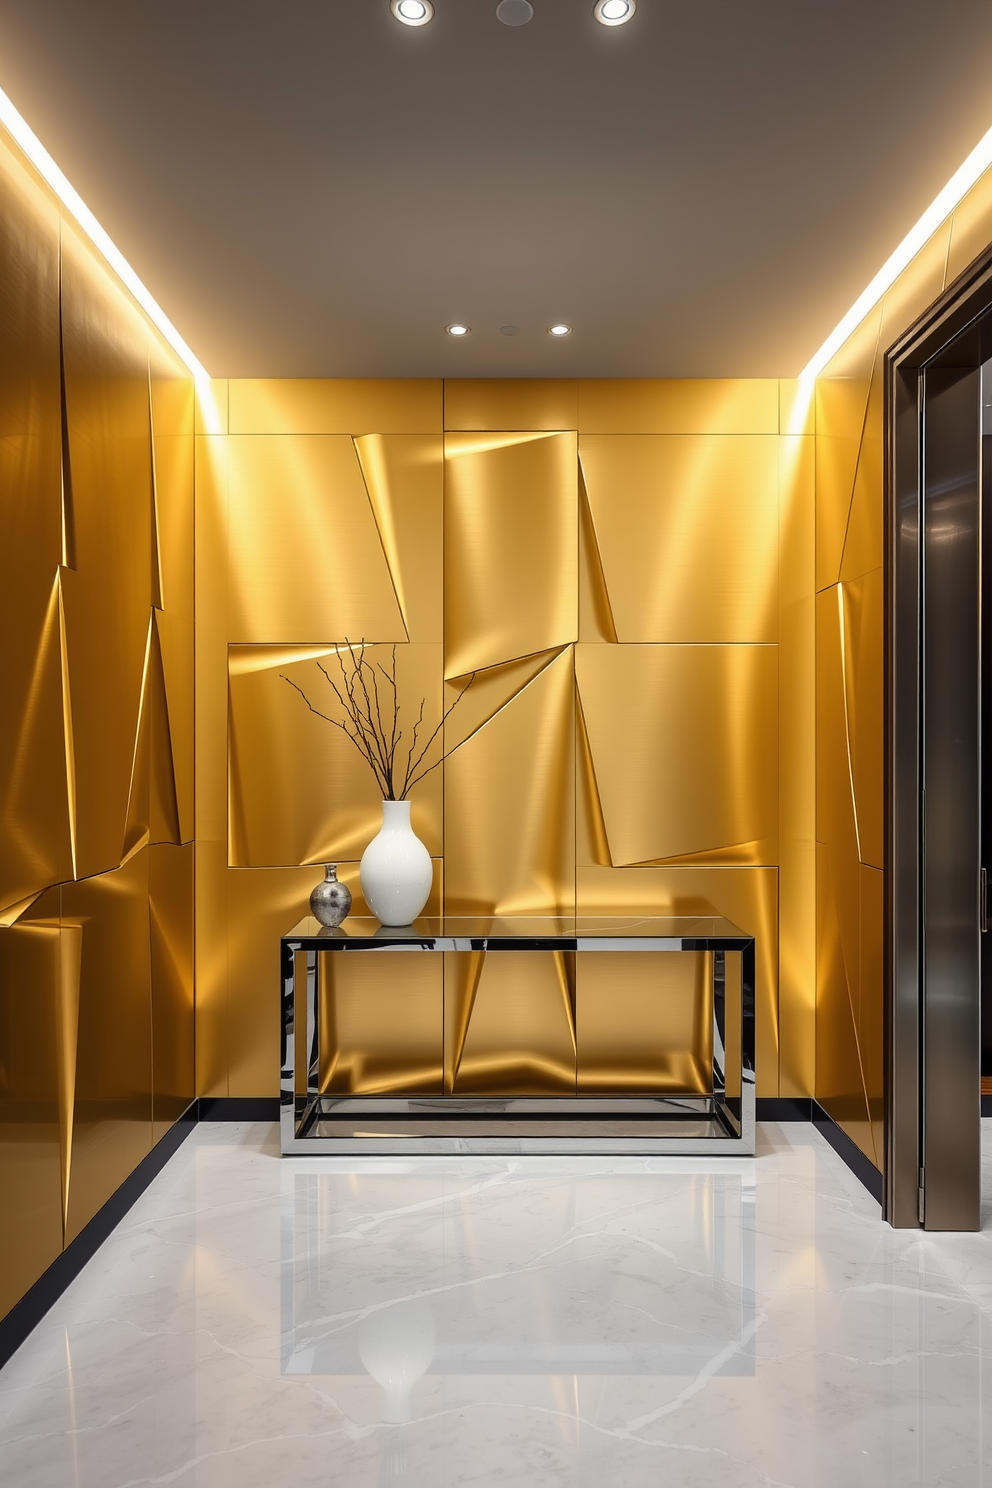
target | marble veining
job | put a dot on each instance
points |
(522, 1322)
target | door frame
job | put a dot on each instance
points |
(960, 315)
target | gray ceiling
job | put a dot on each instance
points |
(311, 189)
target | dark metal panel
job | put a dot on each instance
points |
(950, 643)
(903, 1127)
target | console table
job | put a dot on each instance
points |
(720, 1120)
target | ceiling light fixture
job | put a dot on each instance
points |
(73, 202)
(614, 12)
(457, 329)
(515, 12)
(412, 12)
(561, 329)
(939, 209)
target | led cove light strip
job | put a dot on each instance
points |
(939, 209)
(70, 198)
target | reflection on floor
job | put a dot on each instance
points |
(520, 1323)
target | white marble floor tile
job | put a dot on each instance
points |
(526, 1323)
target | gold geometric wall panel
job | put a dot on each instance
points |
(404, 478)
(510, 403)
(687, 531)
(510, 547)
(644, 1023)
(96, 731)
(509, 1023)
(300, 792)
(170, 910)
(309, 405)
(684, 745)
(112, 1106)
(678, 405)
(748, 897)
(30, 1149)
(509, 793)
(305, 558)
(381, 1024)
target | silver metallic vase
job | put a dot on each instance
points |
(330, 900)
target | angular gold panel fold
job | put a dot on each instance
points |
(863, 540)
(107, 599)
(381, 1024)
(300, 792)
(971, 228)
(404, 477)
(510, 550)
(840, 1079)
(746, 896)
(592, 845)
(684, 742)
(644, 1024)
(842, 405)
(596, 622)
(519, 1038)
(305, 559)
(687, 532)
(509, 805)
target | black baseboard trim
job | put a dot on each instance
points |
(25, 1315)
(783, 1108)
(239, 1107)
(850, 1153)
(987, 1105)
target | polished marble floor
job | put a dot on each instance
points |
(511, 1322)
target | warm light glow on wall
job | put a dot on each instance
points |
(939, 209)
(73, 202)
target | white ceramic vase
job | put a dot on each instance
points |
(396, 871)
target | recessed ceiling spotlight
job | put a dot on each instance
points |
(614, 12)
(412, 12)
(457, 329)
(515, 12)
(561, 329)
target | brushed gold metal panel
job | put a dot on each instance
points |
(404, 476)
(296, 405)
(174, 513)
(211, 635)
(153, 805)
(864, 608)
(840, 1083)
(971, 227)
(381, 1024)
(300, 790)
(30, 1167)
(678, 406)
(304, 554)
(107, 600)
(210, 966)
(170, 910)
(515, 1014)
(796, 407)
(511, 403)
(112, 1117)
(644, 1023)
(685, 745)
(32, 772)
(871, 1002)
(863, 543)
(841, 408)
(797, 767)
(211, 407)
(510, 548)
(176, 641)
(596, 622)
(262, 904)
(509, 804)
(688, 534)
(746, 896)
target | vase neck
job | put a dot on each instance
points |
(330, 872)
(396, 813)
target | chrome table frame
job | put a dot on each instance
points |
(715, 1123)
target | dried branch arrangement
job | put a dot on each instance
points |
(372, 722)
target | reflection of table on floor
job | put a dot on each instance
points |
(457, 1094)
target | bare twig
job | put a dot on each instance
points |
(377, 738)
